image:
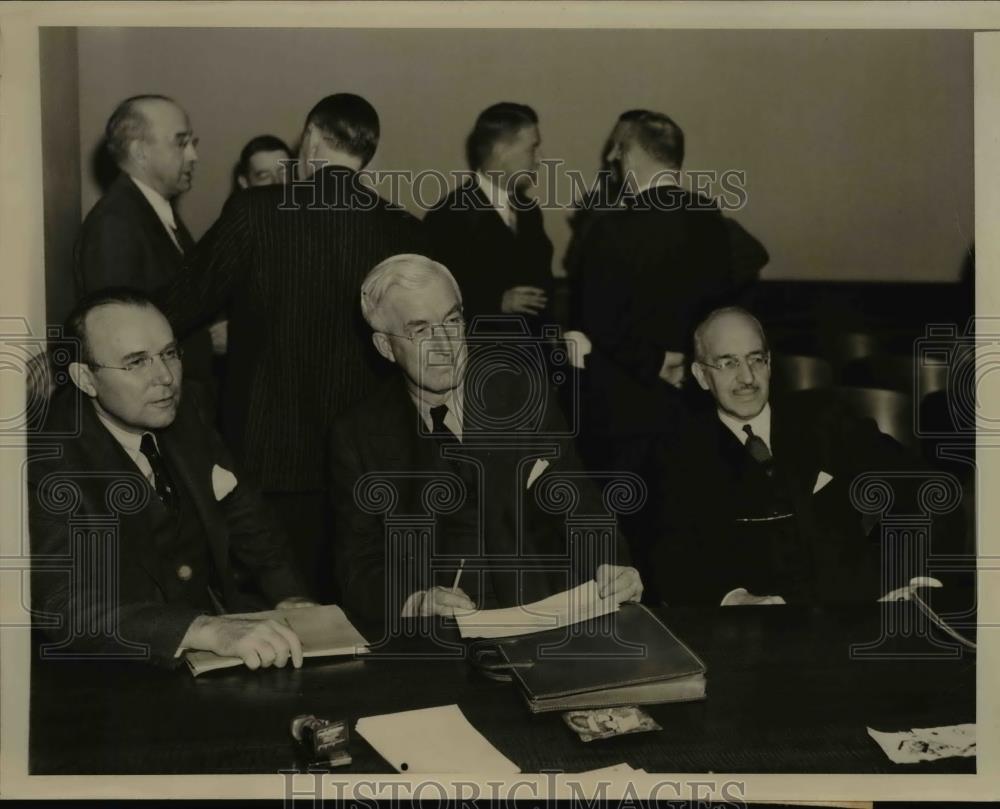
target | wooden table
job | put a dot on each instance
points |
(784, 696)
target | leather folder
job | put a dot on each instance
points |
(627, 658)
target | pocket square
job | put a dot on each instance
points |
(223, 481)
(821, 480)
(540, 466)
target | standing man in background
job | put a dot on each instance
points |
(488, 232)
(262, 162)
(134, 236)
(287, 262)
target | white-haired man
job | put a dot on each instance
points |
(445, 418)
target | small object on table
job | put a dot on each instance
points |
(603, 723)
(927, 744)
(325, 740)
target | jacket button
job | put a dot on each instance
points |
(184, 573)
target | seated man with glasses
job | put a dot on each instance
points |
(462, 454)
(141, 525)
(754, 495)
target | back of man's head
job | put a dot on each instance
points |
(128, 123)
(349, 123)
(657, 135)
(496, 123)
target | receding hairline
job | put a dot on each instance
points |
(713, 318)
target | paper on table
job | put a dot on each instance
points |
(927, 744)
(323, 630)
(562, 609)
(614, 769)
(438, 740)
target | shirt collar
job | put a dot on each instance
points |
(160, 204)
(760, 424)
(130, 441)
(455, 403)
(496, 195)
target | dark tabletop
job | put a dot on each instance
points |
(784, 696)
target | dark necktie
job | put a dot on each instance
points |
(757, 448)
(161, 477)
(438, 427)
(184, 240)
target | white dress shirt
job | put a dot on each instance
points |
(452, 419)
(760, 424)
(162, 207)
(131, 442)
(498, 199)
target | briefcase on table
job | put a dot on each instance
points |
(640, 663)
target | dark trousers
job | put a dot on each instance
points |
(306, 518)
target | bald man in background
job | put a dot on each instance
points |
(134, 235)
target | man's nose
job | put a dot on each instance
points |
(191, 153)
(745, 373)
(163, 374)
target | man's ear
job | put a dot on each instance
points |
(699, 374)
(241, 181)
(83, 378)
(383, 346)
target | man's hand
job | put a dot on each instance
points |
(672, 370)
(219, 332)
(523, 301)
(295, 602)
(260, 643)
(740, 597)
(437, 601)
(619, 582)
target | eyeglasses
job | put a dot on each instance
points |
(755, 361)
(454, 326)
(138, 365)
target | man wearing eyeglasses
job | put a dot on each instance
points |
(125, 456)
(755, 494)
(452, 414)
(134, 235)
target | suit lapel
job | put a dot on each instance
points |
(153, 224)
(794, 455)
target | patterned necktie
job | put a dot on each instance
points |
(161, 477)
(758, 449)
(438, 427)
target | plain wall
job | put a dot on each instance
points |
(58, 60)
(857, 145)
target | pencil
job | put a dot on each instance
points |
(458, 575)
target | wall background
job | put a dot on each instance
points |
(858, 145)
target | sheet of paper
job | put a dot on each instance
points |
(323, 630)
(433, 740)
(927, 744)
(615, 769)
(562, 609)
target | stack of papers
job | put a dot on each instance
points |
(562, 609)
(435, 740)
(323, 630)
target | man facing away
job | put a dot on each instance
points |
(440, 416)
(129, 448)
(287, 263)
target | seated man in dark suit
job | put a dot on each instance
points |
(139, 507)
(491, 441)
(755, 495)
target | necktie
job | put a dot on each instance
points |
(758, 449)
(438, 427)
(161, 477)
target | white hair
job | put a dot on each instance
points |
(407, 270)
(699, 332)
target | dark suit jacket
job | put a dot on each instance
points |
(648, 274)
(708, 482)
(486, 257)
(87, 459)
(123, 243)
(383, 437)
(288, 262)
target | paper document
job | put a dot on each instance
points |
(927, 744)
(615, 769)
(562, 609)
(438, 740)
(323, 630)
